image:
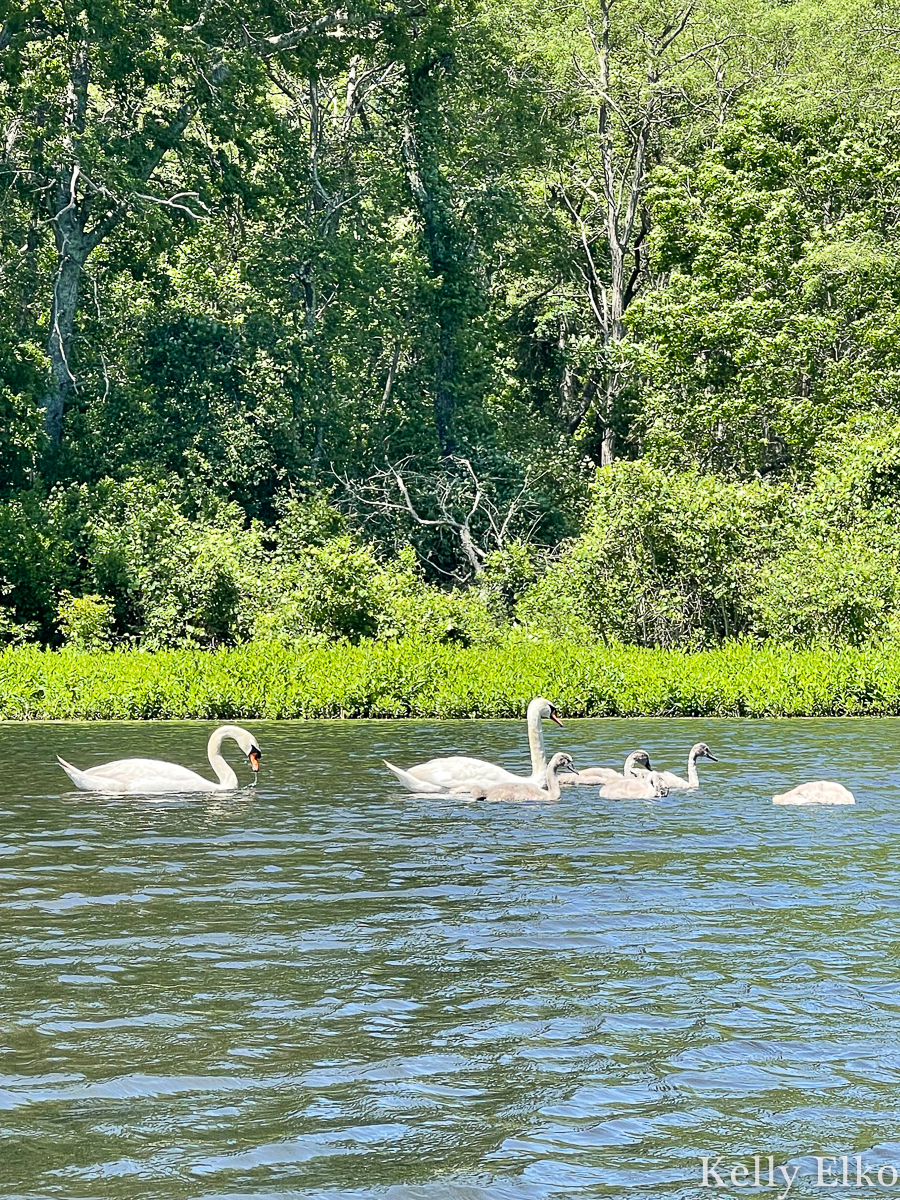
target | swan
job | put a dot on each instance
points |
(592, 776)
(444, 774)
(649, 785)
(675, 783)
(821, 791)
(528, 791)
(150, 776)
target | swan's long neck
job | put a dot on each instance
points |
(536, 743)
(693, 777)
(227, 777)
(553, 788)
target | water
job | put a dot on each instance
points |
(326, 989)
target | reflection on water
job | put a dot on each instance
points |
(324, 988)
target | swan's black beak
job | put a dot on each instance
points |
(712, 758)
(554, 716)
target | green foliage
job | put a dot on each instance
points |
(327, 592)
(86, 622)
(411, 608)
(269, 681)
(664, 560)
(508, 573)
(41, 539)
(311, 252)
(839, 591)
(172, 581)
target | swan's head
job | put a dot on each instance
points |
(544, 709)
(701, 750)
(248, 744)
(562, 762)
(660, 787)
(639, 759)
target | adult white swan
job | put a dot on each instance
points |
(529, 791)
(458, 771)
(151, 777)
(820, 791)
(638, 760)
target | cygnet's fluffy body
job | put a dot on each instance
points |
(820, 791)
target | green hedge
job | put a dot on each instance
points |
(412, 679)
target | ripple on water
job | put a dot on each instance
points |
(332, 991)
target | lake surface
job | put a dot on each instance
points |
(325, 988)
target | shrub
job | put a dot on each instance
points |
(412, 608)
(172, 581)
(40, 540)
(665, 560)
(508, 574)
(838, 590)
(327, 592)
(86, 622)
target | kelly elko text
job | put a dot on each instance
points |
(843, 1170)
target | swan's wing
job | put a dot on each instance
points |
(674, 782)
(442, 774)
(459, 770)
(412, 782)
(628, 789)
(145, 776)
(86, 781)
(590, 777)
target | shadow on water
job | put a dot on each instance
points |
(324, 988)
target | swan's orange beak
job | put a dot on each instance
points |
(554, 716)
(254, 757)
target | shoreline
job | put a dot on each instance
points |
(428, 681)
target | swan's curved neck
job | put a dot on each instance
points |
(693, 777)
(227, 777)
(536, 743)
(553, 788)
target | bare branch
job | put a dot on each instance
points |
(456, 499)
(172, 202)
(325, 24)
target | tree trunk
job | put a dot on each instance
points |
(73, 250)
(422, 164)
(614, 319)
(626, 134)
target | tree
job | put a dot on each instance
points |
(101, 127)
(633, 79)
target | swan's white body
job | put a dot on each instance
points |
(821, 791)
(458, 772)
(594, 776)
(649, 785)
(675, 783)
(529, 791)
(152, 777)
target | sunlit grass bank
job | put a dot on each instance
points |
(416, 680)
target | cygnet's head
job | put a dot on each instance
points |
(660, 787)
(701, 750)
(562, 762)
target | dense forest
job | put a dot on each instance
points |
(435, 319)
